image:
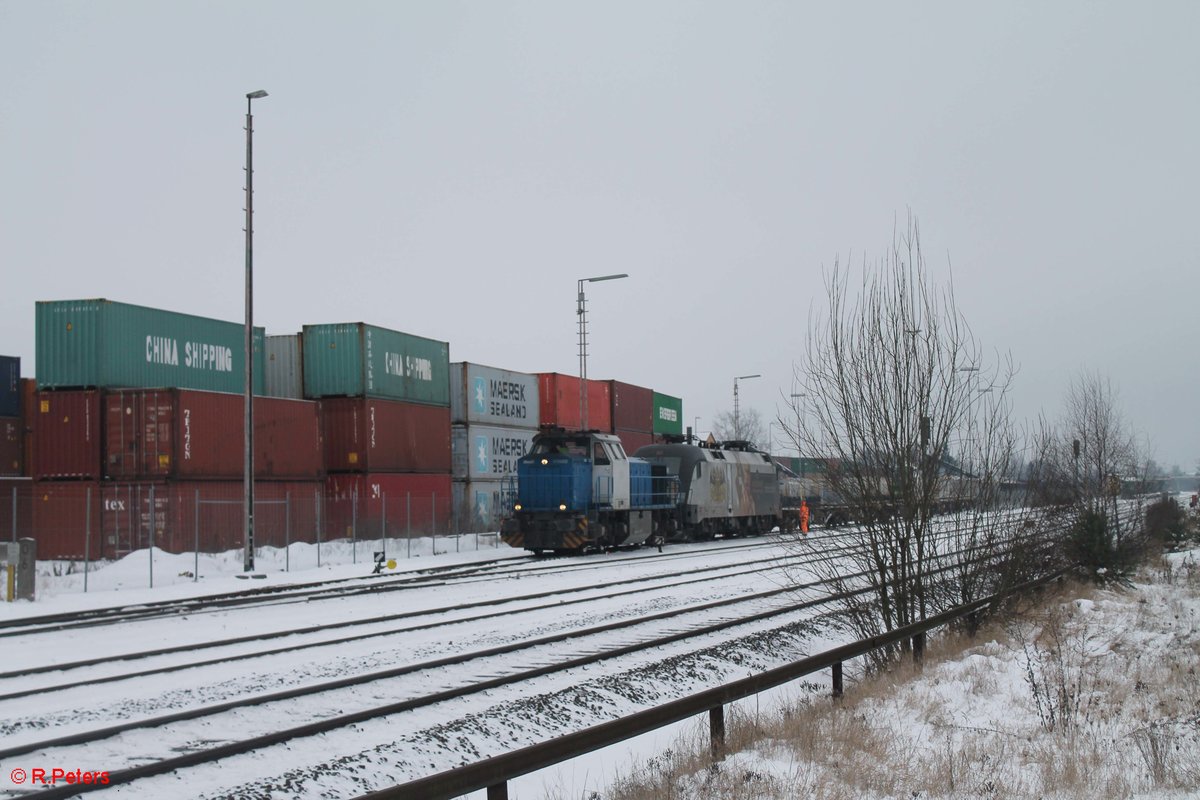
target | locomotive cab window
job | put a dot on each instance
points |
(599, 456)
(559, 447)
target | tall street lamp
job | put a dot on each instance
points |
(737, 429)
(796, 398)
(581, 312)
(248, 531)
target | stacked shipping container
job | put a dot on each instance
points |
(28, 409)
(16, 491)
(284, 366)
(10, 386)
(495, 414)
(181, 433)
(366, 434)
(67, 435)
(668, 415)
(12, 427)
(632, 415)
(384, 400)
(133, 431)
(100, 344)
(559, 402)
(107, 438)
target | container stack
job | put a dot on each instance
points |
(384, 408)
(668, 416)
(138, 438)
(186, 450)
(133, 432)
(494, 415)
(643, 416)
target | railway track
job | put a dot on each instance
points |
(639, 634)
(427, 680)
(79, 673)
(441, 616)
(337, 588)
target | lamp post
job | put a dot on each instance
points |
(968, 459)
(581, 312)
(696, 429)
(248, 531)
(796, 397)
(737, 428)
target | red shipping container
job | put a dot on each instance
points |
(28, 407)
(409, 504)
(12, 446)
(363, 434)
(67, 435)
(205, 514)
(559, 399)
(66, 519)
(632, 440)
(632, 407)
(164, 433)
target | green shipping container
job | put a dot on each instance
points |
(103, 344)
(668, 414)
(355, 359)
(811, 466)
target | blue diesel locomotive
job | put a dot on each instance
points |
(579, 490)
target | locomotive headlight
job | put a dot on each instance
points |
(562, 506)
(517, 507)
(545, 461)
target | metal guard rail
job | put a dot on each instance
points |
(494, 773)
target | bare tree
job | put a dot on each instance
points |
(1083, 462)
(749, 428)
(1079, 458)
(1107, 447)
(894, 388)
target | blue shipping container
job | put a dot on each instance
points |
(10, 386)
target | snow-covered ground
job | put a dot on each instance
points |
(1094, 694)
(127, 581)
(938, 713)
(380, 753)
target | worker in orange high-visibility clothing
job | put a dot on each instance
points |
(804, 517)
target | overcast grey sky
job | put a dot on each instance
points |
(451, 169)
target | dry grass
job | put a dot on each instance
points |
(1125, 722)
